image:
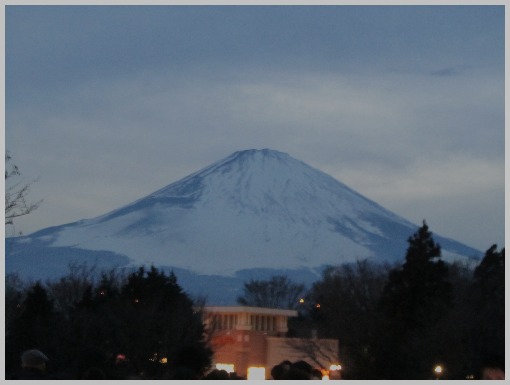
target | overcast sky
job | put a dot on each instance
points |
(404, 104)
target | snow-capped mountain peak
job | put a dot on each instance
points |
(255, 209)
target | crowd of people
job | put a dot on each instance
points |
(34, 364)
(34, 367)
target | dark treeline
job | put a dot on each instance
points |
(142, 326)
(401, 321)
(392, 322)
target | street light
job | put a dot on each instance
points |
(438, 370)
(335, 372)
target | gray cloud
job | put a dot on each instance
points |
(450, 71)
(110, 106)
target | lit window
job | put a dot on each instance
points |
(229, 368)
(256, 373)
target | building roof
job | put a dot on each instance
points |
(251, 310)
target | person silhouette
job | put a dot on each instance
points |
(33, 365)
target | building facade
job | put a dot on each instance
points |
(252, 340)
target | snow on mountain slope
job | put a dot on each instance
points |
(253, 209)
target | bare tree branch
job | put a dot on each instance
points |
(16, 203)
(321, 351)
(277, 292)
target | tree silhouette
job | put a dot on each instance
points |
(16, 203)
(415, 299)
(36, 325)
(488, 293)
(278, 292)
(348, 296)
(149, 320)
(137, 326)
(419, 293)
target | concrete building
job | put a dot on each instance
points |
(252, 340)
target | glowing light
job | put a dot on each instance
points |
(229, 368)
(256, 373)
(163, 360)
(318, 306)
(120, 358)
(302, 300)
(325, 377)
(335, 367)
(439, 371)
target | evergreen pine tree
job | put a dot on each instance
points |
(488, 293)
(417, 295)
(35, 326)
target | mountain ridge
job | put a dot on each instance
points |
(255, 209)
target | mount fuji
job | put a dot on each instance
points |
(253, 214)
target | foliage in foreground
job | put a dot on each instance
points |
(392, 322)
(399, 322)
(141, 326)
